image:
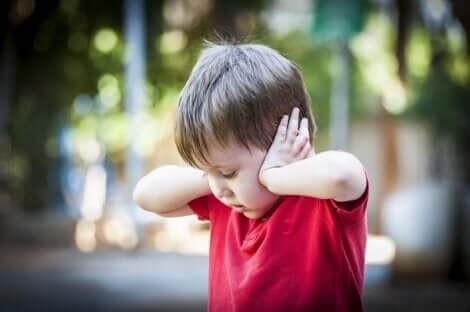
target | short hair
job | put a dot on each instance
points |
(237, 93)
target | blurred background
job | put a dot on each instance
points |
(87, 102)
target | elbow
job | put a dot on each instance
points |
(340, 180)
(143, 189)
(144, 197)
(341, 185)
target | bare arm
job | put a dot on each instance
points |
(168, 189)
(329, 175)
(291, 166)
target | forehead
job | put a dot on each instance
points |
(229, 156)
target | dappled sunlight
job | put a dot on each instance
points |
(378, 65)
(395, 98)
(173, 41)
(120, 231)
(108, 91)
(94, 193)
(180, 235)
(105, 40)
(380, 250)
(85, 235)
(89, 150)
(184, 235)
(186, 13)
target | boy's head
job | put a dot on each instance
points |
(235, 96)
(238, 94)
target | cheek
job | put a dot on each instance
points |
(245, 191)
(249, 190)
(211, 184)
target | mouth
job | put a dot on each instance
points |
(238, 208)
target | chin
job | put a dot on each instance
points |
(261, 211)
(251, 215)
(254, 215)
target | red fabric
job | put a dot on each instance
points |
(307, 255)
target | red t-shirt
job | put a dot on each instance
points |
(306, 254)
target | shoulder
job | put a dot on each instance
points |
(208, 207)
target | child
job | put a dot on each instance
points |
(288, 225)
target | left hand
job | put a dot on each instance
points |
(291, 143)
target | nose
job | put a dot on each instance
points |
(221, 189)
(225, 193)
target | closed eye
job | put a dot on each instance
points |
(230, 175)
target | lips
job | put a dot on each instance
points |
(238, 209)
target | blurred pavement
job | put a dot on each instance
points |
(112, 280)
(106, 280)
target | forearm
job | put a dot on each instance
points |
(316, 176)
(170, 187)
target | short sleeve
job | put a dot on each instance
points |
(354, 208)
(200, 206)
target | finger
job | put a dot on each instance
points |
(304, 152)
(299, 143)
(293, 128)
(281, 129)
(303, 129)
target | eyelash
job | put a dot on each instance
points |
(226, 176)
(230, 175)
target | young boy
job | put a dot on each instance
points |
(288, 225)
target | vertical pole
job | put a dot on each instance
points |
(339, 105)
(134, 88)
